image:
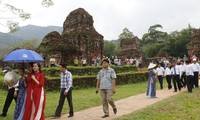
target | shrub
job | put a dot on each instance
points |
(90, 81)
(88, 70)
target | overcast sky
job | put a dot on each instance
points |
(112, 16)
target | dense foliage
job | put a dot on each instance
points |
(158, 43)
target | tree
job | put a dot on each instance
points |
(154, 35)
(109, 48)
(174, 44)
(126, 34)
(17, 13)
(28, 44)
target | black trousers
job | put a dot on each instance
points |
(189, 82)
(8, 100)
(160, 78)
(176, 82)
(168, 78)
(196, 79)
(183, 79)
(62, 100)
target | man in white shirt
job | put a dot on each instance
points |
(168, 74)
(12, 94)
(160, 73)
(189, 75)
(182, 69)
(196, 69)
(175, 77)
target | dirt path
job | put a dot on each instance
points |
(124, 106)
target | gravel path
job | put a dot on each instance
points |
(124, 106)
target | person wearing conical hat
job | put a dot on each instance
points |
(151, 89)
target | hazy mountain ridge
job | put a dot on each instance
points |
(25, 33)
(36, 32)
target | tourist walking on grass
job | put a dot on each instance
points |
(29, 89)
(196, 69)
(182, 73)
(37, 95)
(151, 89)
(21, 98)
(12, 94)
(66, 91)
(176, 77)
(189, 75)
(106, 79)
(160, 74)
(168, 75)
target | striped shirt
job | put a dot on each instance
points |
(66, 80)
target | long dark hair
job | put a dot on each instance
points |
(39, 65)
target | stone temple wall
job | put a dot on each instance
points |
(130, 47)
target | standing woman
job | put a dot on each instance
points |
(38, 94)
(21, 98)
(151, 90)
(29, 89)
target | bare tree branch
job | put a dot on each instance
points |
(47, 3)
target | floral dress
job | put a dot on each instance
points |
(21, 98)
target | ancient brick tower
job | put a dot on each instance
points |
(78, 39)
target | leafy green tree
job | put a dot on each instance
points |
(109, 48)
(126, 34)
(174, 44)
(28, 44)
(177, 42)
(154, 35)
(9, 22)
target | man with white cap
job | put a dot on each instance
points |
(12, 94)
(196, 69)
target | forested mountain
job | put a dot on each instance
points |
(24, 35)
(28, 32)
(35, 32)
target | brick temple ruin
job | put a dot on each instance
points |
(130, 47)
(78, 39)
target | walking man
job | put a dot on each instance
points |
(106, 80)
(66, 91)
(168, 74)
(182, 73)
(12, 94)
(196, 69)
(160, 74)
(175, 77)
(189, 75)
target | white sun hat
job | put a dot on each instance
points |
(151, 65)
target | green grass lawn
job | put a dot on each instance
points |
(82, 99)
(184, 106)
